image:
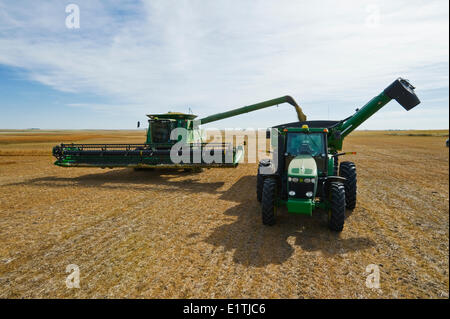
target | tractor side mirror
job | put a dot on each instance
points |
(138, 124)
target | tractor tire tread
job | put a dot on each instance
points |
(259, 186)
(268, 202)
(337, 202)
(348, 170)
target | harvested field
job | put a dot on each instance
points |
(165, 234)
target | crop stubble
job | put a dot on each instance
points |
(163, 234)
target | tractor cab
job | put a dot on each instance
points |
(307, 143)
(296, 140)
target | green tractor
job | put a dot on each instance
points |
(304, 172)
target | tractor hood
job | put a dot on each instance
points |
(303, 166)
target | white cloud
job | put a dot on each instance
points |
(215, 55)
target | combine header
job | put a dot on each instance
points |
(162, 135)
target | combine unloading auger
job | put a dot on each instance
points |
(246, 109)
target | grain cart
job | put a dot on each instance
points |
(303, 173)
(156, 151)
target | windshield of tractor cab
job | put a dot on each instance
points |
(305, 144)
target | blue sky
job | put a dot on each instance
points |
(131, 58)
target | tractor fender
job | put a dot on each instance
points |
(266, 168)
(328, 180)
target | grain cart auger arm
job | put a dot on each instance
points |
(164, 144)
(304, 173)
(400, 90)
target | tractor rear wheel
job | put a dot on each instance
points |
(336, 213)
(268, 202)
(259, 186)
(348, 170)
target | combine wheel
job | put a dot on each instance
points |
(348, 170)
(268, 202)
(336, 213)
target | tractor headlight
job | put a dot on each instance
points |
(291, 193)
(295, 179)
(307, 180)
(289, 179)
(313, 180)
(309, 194)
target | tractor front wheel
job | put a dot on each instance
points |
(336, 213)
(348, 170)
(259, 186)
(268, 202)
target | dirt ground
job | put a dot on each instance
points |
(163, 234)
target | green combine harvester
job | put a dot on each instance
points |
(304, 172)
(161, 141)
